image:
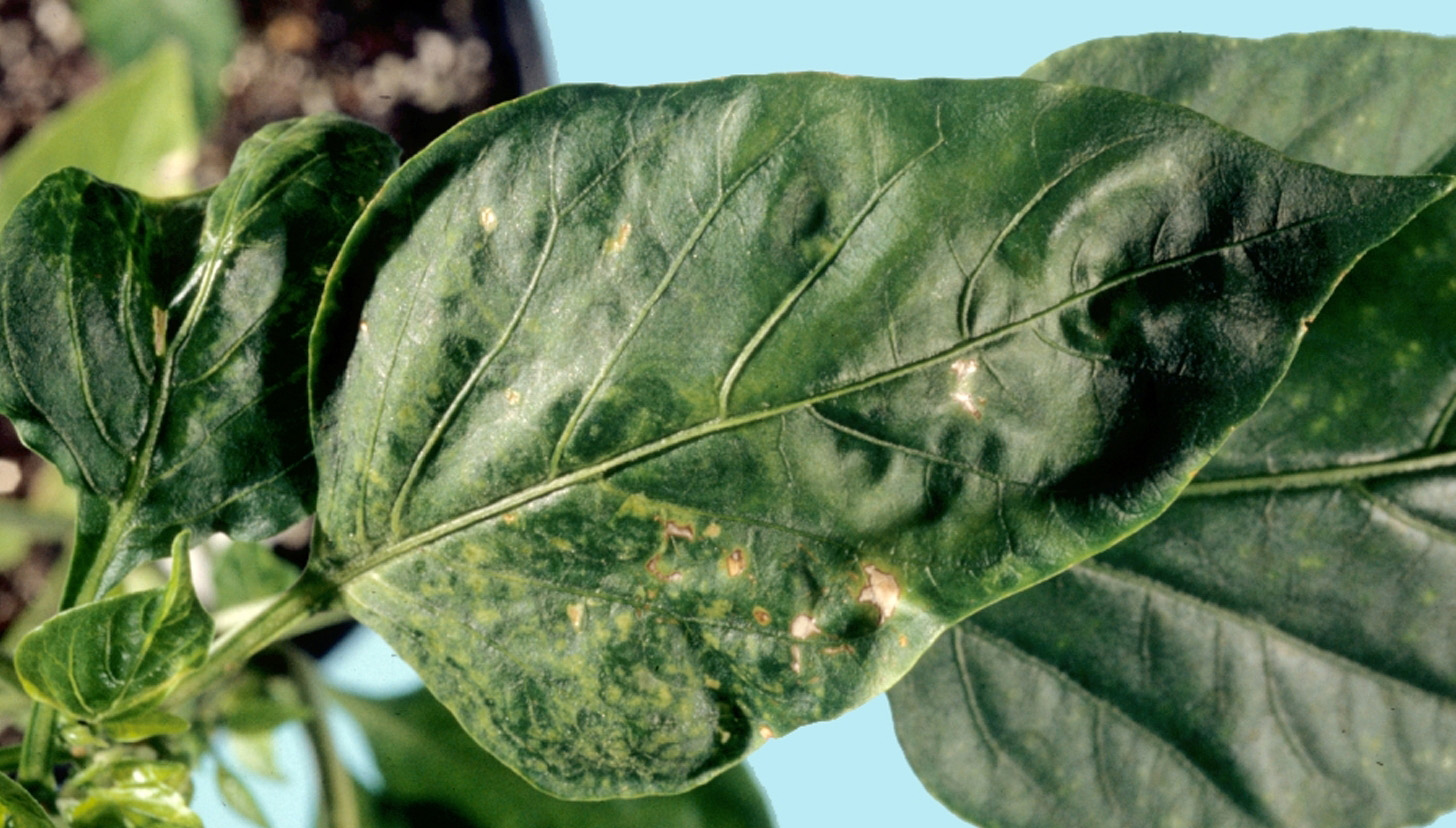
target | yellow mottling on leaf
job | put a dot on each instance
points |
(712, 531)
(904, 641)
(574, 612)
(712, 683)
(510, 518)
(513, 397)
(617, 243)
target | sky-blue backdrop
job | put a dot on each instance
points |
(848, 773)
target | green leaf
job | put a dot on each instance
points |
(677, 418)
(117, 657)
(144, 724)
(154, 350)
(237, 797)
(122, 31)
(1275, 650)
(150, 143)
(133, 794)
(18, 809)
(428, 762)
(246, 572)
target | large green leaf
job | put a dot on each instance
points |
(679, 417)
(1276, 649)
(155, 350)
(18, 808)
(117, 657)
(428, 762)
(137, 130)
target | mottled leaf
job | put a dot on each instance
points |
(155, 350)
(132, 794)
(115, 658)
(677, 418)
(430, 765)
(151, 134)
(18, 809)
(1275, 650)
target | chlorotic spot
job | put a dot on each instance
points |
(513, 397)
(766, 732)
(489, 221)
(618, 243)
(761, 616)
(736, 564)
(574, 612)
(712, 531)
(795, 660)
(671, 529)
(712, 683)
(964, 369)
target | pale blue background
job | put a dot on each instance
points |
(848, 773)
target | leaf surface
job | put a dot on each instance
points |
(677, 418)
(154, 351)
(115, 658)
(1275, 650)
(428, 762)
(19, 808)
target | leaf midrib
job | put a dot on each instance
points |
(1329, 476)
(375, 557)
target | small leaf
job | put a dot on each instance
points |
(132, 794)
(18, 809)
(1275, 650)
(144, 724)
(677, 418)
(237, 797)
(154, 350)
(430, 764)
(151, 134)
(246, 572)
(117, 657)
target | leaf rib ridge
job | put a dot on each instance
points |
(930, 457)
(73, 319)
(379, 555)
(675, 267)
(725, 391)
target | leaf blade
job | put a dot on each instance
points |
(1280, 631)
(686, 505)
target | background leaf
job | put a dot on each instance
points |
(19, 807)
(1275, 650)
(117, 657)
(428, 762)
(122, 31)
(154, 350)
(679, 417)
(146, 116)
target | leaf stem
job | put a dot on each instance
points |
(340, 805)
(309, 595)
(1315, 478)
(35, 768)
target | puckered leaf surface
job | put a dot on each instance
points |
(1276, 649)
(676, 418)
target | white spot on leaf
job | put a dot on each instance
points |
(882, 590)
(803, 626)
(513, 397)
(765, 732)
(795, 662)
(736, 564)
(488, 220)
(964, 369)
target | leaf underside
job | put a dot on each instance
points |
(677, 418)
(1276, 649)
(155, 350)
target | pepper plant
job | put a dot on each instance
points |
(650, 424)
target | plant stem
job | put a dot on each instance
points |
(35, 767)
(340, 806)
(308, 595)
